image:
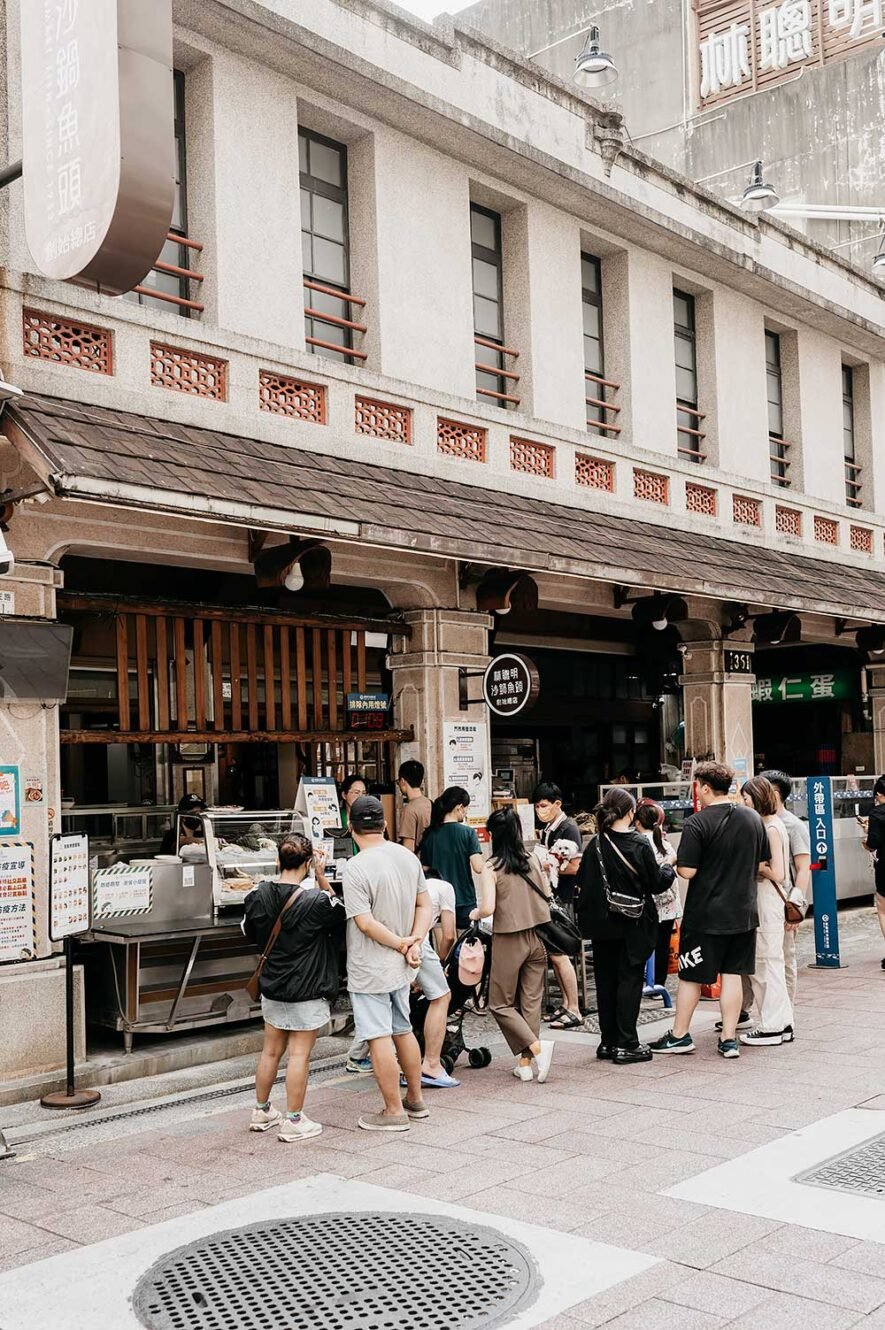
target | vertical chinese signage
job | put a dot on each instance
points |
(98, 139)
(751, 44)
(18, 937)
(823, 864)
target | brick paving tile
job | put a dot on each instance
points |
(17, 1236)
(49, 1246)
(589, 1142)
(717, 1235)
(665, 1171)
(547, 1211)
(527, 1155)
(659, 1315)
(868, 1258)
(716, 1294)
(89, 1223)
(565, 1178)
(812, 1244)
(633, 1219)
(604, 1307)
(783, 1312)
(788, 1274)
(562, 1323)
(28, 1201)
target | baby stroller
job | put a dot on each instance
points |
(453, 1044)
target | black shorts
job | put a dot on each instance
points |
(704, 956)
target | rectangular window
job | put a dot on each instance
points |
(849, 447)
(173, 253)
(688, 418)
(777, 446)
(594, 354)
(488, 307)
(325, 245)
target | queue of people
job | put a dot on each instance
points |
(735, 886)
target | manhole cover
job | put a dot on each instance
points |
(364, 1271)
(860, 1170)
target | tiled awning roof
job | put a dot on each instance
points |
(93, 452)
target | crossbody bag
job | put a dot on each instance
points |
(253, 987)
(618, 902)
(560, 936)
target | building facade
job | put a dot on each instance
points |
(429, 331)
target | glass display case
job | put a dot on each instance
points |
(125, 830)
(241, 848)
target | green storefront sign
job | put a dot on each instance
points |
(836, 685)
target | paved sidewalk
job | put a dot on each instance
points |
(591, 1153)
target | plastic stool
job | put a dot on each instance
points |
(652, 989)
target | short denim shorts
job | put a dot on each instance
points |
(311, 1015)
(430, 978)
(378, 1014)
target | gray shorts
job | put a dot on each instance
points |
(378, 1014)
(430, 978)
(312, 1015)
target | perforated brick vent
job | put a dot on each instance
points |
(457, 440)
(860, 1170)
(382, 420)
(651, 486)
(826, 530)
(67, 342)
(361, 1271)
(700, 499)
(745, 511)
(285, 396)
(788, 521)
(595, 473)
(861, 540)
(188, 372)
(533, 459)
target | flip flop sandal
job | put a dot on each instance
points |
(558, 1013)
(567, 1021)
(444, 1082)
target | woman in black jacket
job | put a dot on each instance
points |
(617, 881)
(299, 979)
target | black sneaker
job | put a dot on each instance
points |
(668, 1043)
(728, 1048)
(763, 1038)
(745, 1020)
(605, 1053)
(623, 1057)
(789, 1034)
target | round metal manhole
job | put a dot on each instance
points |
(363, 1271)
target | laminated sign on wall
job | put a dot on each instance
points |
(121, 892)
(18, 931)
(68, 886)
(466, 763)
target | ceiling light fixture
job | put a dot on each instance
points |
(594, 68)
(759, 195)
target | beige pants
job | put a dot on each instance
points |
(773, 1004)
(516, 987)
(791, 967)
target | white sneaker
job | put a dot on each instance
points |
(523, 1073)
(544, 1058)
(264, 1118)
(299, 1130)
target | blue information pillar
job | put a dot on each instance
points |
(823, 866)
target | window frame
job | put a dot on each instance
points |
(853, 482)
(313, 185)
(484, 354)
(777, 445)
(688, 428)
(595, 414)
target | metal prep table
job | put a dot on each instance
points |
(150, 977)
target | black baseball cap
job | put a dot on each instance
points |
(367, 814)
(189, 802)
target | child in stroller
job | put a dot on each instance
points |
(466, 982)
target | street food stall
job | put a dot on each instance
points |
(239, 708)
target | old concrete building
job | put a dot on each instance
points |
(428, 313)
(709, 88)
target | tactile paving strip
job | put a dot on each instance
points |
(860, 1170)
(359, 1271)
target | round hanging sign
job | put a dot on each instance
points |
(510, 684)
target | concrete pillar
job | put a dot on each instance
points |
(425, 680)
(718, 706)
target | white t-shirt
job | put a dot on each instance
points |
(442, 894)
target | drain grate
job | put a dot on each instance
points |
(860, 1170)
(352, 1271)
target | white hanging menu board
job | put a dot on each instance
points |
(68, 886)
(121, 892)
(18, 932)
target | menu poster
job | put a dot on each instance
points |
(10, 802)
(121, 892)
(466, 763)
(318, 802)
(68, 886)
(18, 933)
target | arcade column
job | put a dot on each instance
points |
(717, 695)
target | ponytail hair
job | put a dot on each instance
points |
(617, 803)
(650, 816)
(454, 797)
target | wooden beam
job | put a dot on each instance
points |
(141, 673)
(236, 687)
(270, 703)
(123, 671)
(164, 718)
(332, 677)
(199, 676)
(285, 680)
(101, 604)
(227, 736)
(361, 662)
(180, 675)
(252, 675)
(301, 676)
(316, 675)
(217, 675)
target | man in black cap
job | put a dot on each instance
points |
(188, 803)
(388, 915)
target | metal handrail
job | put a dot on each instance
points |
(495, 346)
(602, 426)
(333, 291)
(499, 373)
(174, 270)
(335, 320)
(690, 410)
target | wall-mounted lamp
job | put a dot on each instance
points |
(298, 565)
(503, 590)
(594, 68)
(779, 627)
(759, 195)
(658, 610)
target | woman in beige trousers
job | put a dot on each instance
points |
(518, 903)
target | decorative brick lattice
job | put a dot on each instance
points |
(457, 440)
(285, 396)
(861, 540)
(651, 486)
(700, 499)
(826, 530)
(595, 473)
(788, 521)
(382, 420)
(534, 459)
(745, 511)
(188, 372)
(67, 342)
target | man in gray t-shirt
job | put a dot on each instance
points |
(388, 916)
(800, 868)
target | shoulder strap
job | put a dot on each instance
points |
(535, 888)
(278, 924)
(622, 858)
